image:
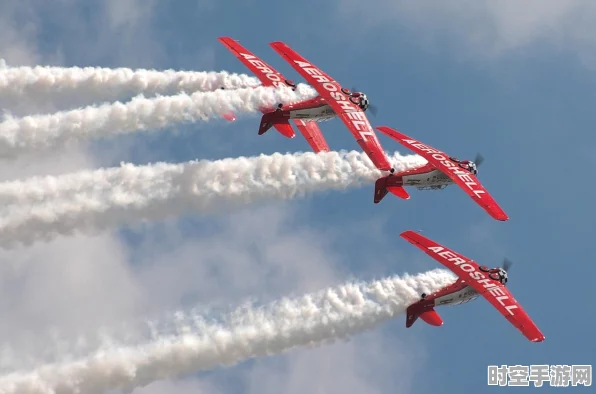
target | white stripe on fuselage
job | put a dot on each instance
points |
(434, 177)
(459, 297)
(318, 114)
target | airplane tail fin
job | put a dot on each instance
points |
(411, 316)
(392, 184)
(281, 125)
(430, 316)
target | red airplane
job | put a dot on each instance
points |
(271, 77)
(333, 101)
(440, 171)
(474, 280)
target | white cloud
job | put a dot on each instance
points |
(485, 26)
(188, 386)
(78, 284)
(17, 33)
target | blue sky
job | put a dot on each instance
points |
(479, 82)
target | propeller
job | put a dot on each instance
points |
(479, 159)
(507, 264)
(372, 108)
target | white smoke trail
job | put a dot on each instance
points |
(310, 320)
(39, 132)
(92, 201)
(109, 84)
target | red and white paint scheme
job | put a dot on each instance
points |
(474, 280)
(333, 101)
(271, 77)
(440, 171)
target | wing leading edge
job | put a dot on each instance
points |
(349, 112)
(464, 179)
(271, 77)
(493, 290)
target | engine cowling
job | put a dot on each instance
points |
(360, 100)
(495, 273)
(357, 98)
(465, 164)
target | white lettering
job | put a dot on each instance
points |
(330, 87)
(447, 254)
(486, 282)
(476, 275)
(458, 260)
(266, 70)
(446, 162)
(480, 277)
(509, 307)
(357, 118)
(501, 298)
(302, 64)
(497, 291)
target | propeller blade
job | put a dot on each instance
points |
(372, 109)
(507, 264)
(479, 159)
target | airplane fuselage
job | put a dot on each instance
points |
(454, 294)
(315, 109)
(422, 177)
(430, 178)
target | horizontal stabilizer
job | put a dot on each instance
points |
(229, 116)
(285, 129)
(399, 192)
(429, 315)
(432, 318)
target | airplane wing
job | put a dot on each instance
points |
(313, 135)
(349, 112)
(493, 290)
(266, 74)
(463, 178)
(271, 77)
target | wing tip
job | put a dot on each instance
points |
(499, 215)
(408, 234)
(275, 44)
(392, 133)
